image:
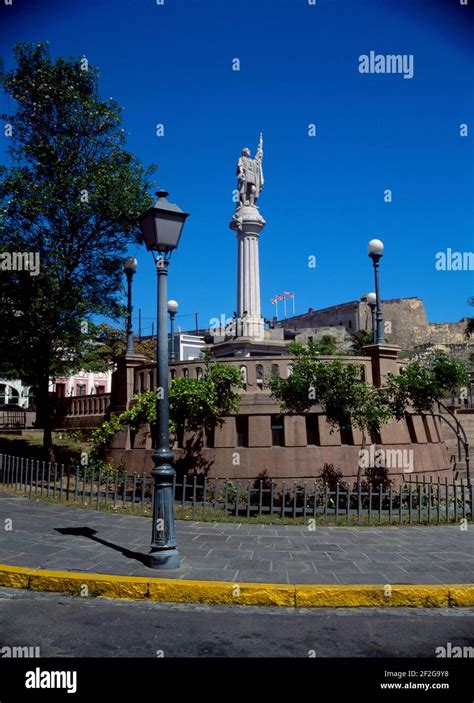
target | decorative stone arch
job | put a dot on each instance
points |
(243, 374)
(12, 392)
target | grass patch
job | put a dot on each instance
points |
(201, 514)
(68, 445)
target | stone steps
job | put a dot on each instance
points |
(451, 442)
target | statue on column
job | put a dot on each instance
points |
(250, 175)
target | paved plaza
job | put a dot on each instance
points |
(55, 537)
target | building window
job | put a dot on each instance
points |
(9, 395)
(80, 389)
(312, 434)
(243, 375)
(278, 431)
(346, 433)
(260, 375)
(185, 373)
(289, 369)
(32, 397)
(242, 430)
(411, 428)
(172, 374)
(180, 437)
(198, 372)
(362, 373)
(209, 438)
(275, 370)
(350, 324)
(375, 437)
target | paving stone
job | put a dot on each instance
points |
(261, 577)
(311, 577)
(295, 567)
(346, 568)
(217, 551)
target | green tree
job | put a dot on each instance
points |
(107, 344)
(195, 403)
(420, 386)
(104, 346)
(326, 346)
(360, 339)
(73, 197)
(337, 387)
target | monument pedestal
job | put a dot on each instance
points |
(247, 223)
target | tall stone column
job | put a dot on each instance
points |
(247, 224)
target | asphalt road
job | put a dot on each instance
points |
(63, 626)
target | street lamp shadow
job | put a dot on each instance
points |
(91, 534)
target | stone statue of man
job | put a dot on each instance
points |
(250, 175)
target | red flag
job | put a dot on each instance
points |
(288, 294)
(280, 297)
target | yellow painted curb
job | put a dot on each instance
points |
(225, 593)
(221, 592)
(14, 576)
(462, 596)
(416, 596)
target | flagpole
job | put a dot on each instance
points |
(284, 305)
(293, 304)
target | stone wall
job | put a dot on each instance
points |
(285, 447)
(405, 322)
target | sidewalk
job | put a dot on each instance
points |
(54, 537)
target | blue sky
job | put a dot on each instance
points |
(324, 195)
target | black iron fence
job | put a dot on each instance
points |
(412, 502)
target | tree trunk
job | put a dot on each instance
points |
(362, 448)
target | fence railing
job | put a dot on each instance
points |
(80, 405)
(13, 419)
(413, 502)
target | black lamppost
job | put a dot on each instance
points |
(129, 266)
(372, 301)
(161, 226)
(172, 310)
(376, 253)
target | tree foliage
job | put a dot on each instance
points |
(360, 339)
(195, 404)
(345, 398)
(73, 195)
(418, 386)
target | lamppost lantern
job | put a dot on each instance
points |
(162, 224)
(172, 310)
(371, 298)
(375, 249)
(172, 307)
(376, 252)
(130, 265)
